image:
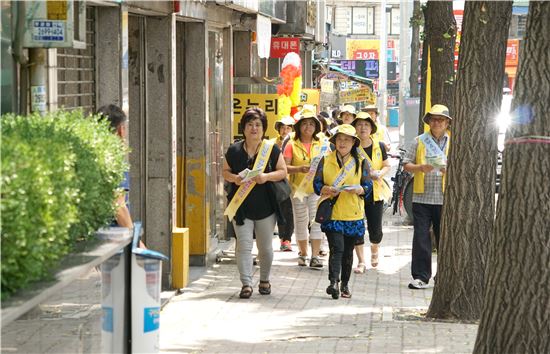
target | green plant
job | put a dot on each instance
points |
(100, 165)
(59, 177)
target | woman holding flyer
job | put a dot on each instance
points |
(375, 152)
(302, 155)
(253, 208)
(343, 175)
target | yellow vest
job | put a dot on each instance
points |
(300, 157)
(418, 186)
(278, 140)
(380, 134)
(349, 206)
(376, 162)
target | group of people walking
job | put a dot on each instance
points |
(341, 166)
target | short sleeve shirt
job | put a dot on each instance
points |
(257, 204)
(433, 181)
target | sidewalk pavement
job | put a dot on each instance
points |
(383, 315)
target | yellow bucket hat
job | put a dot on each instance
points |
(437, 110)
(370, 107)
(347, 108)
(346, 129)
(367, 117)
(307, 113)
(286, 120)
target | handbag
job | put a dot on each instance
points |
(324, 210)
(281, 190)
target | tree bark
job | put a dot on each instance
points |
(441, 35)
(468, 211)
(516, 310)
(415, 22)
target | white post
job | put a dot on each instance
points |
(404, 61)
(383, 64)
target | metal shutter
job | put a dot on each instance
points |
(76, 75)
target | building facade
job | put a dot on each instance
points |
(173, 66)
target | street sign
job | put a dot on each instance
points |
(281, 46)
(267, 102)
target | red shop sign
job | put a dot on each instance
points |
(281, 46)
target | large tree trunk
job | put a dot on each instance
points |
(516, 310)
(441, 35)
(416, 21)
(468, 211)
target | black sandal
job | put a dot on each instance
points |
(246, 292)
(264, 290)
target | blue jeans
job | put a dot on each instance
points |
(425, 215)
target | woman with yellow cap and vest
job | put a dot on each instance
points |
(347, 114)
(427, 159)
(375, 153)
(302, 155)
(343, 176)
(284, 127)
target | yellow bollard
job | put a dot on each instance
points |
(180, 257)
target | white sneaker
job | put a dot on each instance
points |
(418, 284)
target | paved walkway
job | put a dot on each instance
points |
(383, 316)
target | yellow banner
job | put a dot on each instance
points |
(310, 96)
(364, 94)
(245, 189)
(362, 49)
(267, 102)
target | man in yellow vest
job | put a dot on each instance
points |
(381, 130)
(427, 159)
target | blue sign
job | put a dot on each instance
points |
(151, 319)
(364, 68)
(107, 319)
(48, 31)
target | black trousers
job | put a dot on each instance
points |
(340, 257)
(286, 230)
(425, 215)
(373, 213)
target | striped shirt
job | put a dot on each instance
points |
(433, 191)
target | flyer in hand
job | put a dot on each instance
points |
(438, 162)
(247, 174)
(348, 188)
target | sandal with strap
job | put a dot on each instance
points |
(264, 290)
(360, 268)
(374, 260)
(246, 292)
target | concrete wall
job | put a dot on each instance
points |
(161, 128)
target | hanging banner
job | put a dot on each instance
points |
(281, 46)
(362, 49)
(267, 102)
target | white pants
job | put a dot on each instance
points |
(245, 241)
(304, 214)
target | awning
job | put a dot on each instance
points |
(352, 77)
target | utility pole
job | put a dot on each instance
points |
(383, 64)
(38, 79)
(405, 14)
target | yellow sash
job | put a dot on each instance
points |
(308, 178)
(380, 188)
(246, 188)
(342, 176)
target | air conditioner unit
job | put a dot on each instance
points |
(55, 24)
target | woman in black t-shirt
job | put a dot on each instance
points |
(256, 215)
(375, 152)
